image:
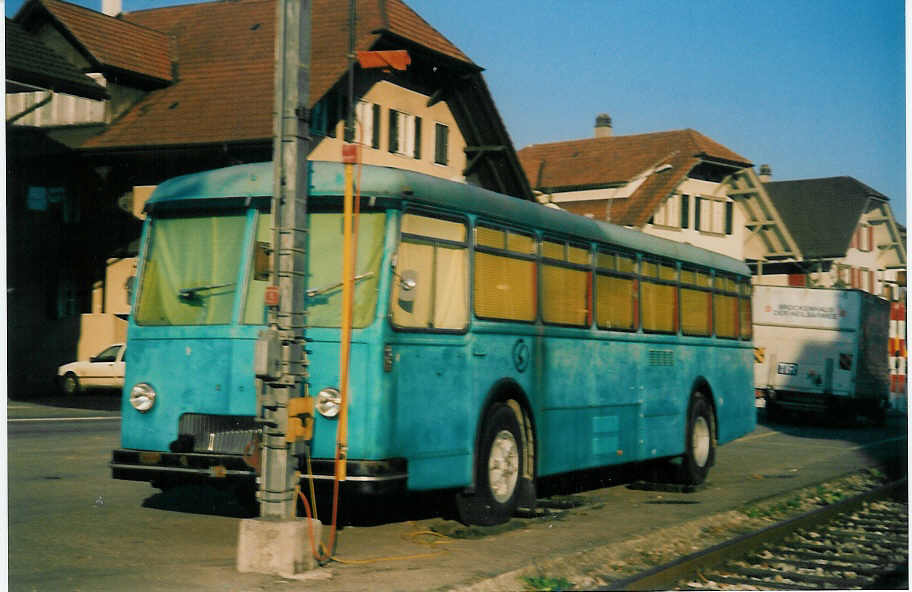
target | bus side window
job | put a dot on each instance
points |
(615, 291)
(565, 289)
(504, 284)
(744, 292)
(696, 302)
(659, 297)
(430, 290)
(725, 307)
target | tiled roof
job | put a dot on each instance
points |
(115, 43)
(224, 52)
(821, 214)
(31, 62)
(617, 160)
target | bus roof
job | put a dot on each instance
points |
(242, 182)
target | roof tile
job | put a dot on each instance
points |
(617, 160)
(31, 62)
(809, 205)
(114, 42)
(224, 52)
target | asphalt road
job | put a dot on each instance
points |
(71, 527)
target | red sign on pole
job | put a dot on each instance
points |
(271, 298)
(397, 59)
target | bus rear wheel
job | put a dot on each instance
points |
(498, 471)
(700, 452)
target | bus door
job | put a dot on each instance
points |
(429, 352)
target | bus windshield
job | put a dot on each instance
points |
(324, 282)
(190, 276)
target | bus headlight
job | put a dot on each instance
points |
(329, 400)
(142, 397)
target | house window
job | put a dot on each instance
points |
(367, 126)
(404, 134)
(712, 215)
(863, 239)
(669, 213)
(441, 143)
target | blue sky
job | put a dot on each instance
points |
(814, 88)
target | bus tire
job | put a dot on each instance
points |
(498, 471)
(700, 451)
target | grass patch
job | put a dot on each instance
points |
(546, 584)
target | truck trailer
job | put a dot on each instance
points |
(821, 351)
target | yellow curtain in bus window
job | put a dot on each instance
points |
(615, 302)
(725, 308)
(696, 311)
(504, 287)
(438, 298)
(744, 302)
(658, 300)
(191, 273)
(564, 298)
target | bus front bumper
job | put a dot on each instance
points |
(160, 468)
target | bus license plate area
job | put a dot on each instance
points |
(787, 369)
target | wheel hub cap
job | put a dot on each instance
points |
(700, 442)
(503, 466)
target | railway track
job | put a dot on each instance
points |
(859, 543)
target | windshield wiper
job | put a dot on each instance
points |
(316, 292)
(191, 293)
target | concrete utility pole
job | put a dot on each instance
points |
(278, 542)
(280, 353)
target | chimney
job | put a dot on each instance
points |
(603, 126)
(765, 173)
(111, 7)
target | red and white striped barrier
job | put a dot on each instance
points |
(898, 356)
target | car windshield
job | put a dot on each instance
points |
(108, 355)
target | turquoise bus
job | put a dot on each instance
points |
(495, 340)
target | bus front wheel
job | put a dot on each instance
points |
(498, 471)
(700, 453)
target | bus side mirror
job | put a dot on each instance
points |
(408, 281)
(261, 261)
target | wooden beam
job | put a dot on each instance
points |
(495, 148)
(479, 152)
(435, 98)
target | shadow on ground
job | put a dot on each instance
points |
(97, 400)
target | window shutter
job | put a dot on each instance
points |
(393, 130)
(697, 204)
(729, 216)
(685, 210)
(417, 137)
(375, 135)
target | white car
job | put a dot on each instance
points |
(106, 370)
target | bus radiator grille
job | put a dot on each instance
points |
(225, 434)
